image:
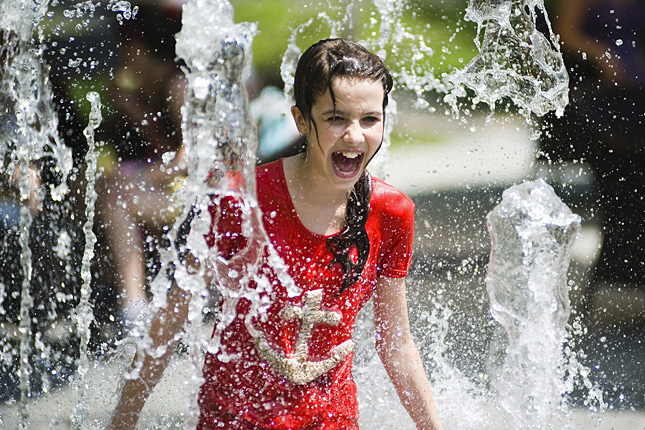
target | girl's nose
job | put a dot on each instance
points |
(353, 133)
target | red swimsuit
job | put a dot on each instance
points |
(296, 374)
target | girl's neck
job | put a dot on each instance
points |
(320, 208)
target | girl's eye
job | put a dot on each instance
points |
(335, 118)
(371, 119)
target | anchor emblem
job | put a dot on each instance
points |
(298, 369)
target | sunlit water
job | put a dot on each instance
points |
(499, 385)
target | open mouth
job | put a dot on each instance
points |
(347, 163)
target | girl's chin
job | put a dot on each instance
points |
(346, 182)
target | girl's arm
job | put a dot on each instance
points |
(167, 324)
(399, 354)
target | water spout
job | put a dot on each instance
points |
(517, 59)
(532, 234)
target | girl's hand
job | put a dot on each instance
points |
(165, 330)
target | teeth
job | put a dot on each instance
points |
(350, 154)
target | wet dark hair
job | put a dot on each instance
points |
(320, 64)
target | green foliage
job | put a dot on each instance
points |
(439, 23)
(274, 18)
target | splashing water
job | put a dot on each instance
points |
(220, 141)
(83, 311)
(31, 147)
(516, 60)
(221, 149)
(26, 93)
(28, 133)
(532, 233)
(220, 144)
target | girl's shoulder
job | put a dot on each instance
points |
(272, 169)
(390, 200)
(269, 176)
(270, 183)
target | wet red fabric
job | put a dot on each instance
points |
(243, 391)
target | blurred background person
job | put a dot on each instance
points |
(603, 126)
(135, 200)
(145, 142)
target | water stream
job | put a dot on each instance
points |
(528, 377)
(532, 234)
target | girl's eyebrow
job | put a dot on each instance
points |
(342, 113)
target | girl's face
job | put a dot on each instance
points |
(346, 137)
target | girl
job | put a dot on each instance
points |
(344, 237)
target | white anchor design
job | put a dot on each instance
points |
(298, 369)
